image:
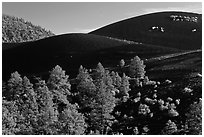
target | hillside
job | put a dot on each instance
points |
(169, 29)
(70, 51)
(15, 30)
(175, 66)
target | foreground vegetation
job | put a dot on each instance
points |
(101, 102)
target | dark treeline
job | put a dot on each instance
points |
(100, 102)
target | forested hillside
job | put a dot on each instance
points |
(15, 30)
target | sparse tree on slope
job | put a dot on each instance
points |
(122, 63)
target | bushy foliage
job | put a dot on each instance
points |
(71, 122)
(15, 30)
(194, 118)
(122, 63)
(170, 128)
(9, 126)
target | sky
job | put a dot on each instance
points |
(83, 17)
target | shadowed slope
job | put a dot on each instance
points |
(70, 51)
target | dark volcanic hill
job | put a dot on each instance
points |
(15, 30)
(70, 51)
(146, 36)
(180, 30)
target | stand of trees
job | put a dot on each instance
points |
(103, 102)
(15, 30)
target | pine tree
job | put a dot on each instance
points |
(103, 100)
(194, 119)
(124, 88)
(83, 74)
(15, 86)
(59, 85)
(116, 79)
(48, 114)
(23, 96)
(102, 107)
(86, 88)
(137, 68)
(100, 71)
(71, 122)
(28, 107)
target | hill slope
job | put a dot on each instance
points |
(175, 67)
(15, 30)
(170, 29)
(70, 51)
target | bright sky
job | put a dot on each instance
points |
(84, 17)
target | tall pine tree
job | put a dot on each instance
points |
(137, 68)
(48, 114)
(104, 100)
(60, 87)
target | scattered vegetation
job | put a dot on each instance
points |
(184, 18)
(103, 102)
